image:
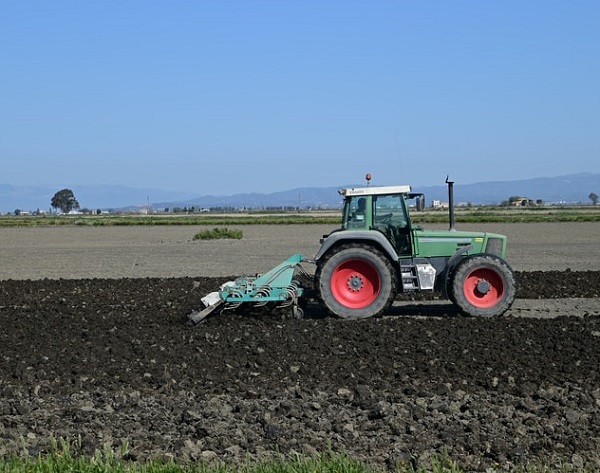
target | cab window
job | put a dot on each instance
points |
(357, 213)
(390, 210)
(389, 217)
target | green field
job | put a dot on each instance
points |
(486, 214)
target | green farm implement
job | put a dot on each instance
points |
(277, 288)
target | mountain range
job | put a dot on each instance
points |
(574, 188)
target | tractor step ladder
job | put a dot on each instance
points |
(410, 279)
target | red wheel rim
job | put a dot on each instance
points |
(483, 288)
(355, 283)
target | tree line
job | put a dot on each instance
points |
(65, 200)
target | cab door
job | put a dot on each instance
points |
(390, 218)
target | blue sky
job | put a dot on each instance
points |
(221, 97)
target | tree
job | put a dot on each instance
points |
(594, 198)
(65, 201)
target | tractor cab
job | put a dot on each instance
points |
(384, 209)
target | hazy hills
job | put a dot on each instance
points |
(573, 188)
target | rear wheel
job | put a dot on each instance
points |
(483, 285)
(356, 282)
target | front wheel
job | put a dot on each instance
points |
(483, 285)
(356, 282)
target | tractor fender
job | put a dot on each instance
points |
(452, 262)
(457, 256)
(344, 236)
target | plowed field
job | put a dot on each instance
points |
(112, 361)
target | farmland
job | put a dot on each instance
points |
(96, 350)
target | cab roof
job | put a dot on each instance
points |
(375, 190)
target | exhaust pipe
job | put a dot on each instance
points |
(450, 202)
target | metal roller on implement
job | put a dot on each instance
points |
(276, 286)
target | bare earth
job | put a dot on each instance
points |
(170, 251)
(95, 350)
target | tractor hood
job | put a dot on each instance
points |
(431, 243)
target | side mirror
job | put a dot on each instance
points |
(420, 203)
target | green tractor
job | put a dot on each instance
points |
(377, 253)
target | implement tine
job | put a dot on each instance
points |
(199, 315)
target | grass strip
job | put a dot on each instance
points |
(61, 459)
(462, 215)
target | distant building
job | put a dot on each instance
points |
(522, 202)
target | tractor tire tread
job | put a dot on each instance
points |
(388, 275)
(485, 261)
